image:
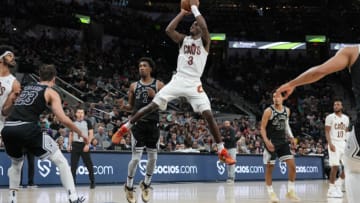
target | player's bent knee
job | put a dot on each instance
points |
(58, 158)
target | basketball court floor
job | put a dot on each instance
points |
(206, 192)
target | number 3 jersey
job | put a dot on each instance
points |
(30, 104)
(192, 58)
(339, 125)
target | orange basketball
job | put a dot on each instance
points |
(185, 4)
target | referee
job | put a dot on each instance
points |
(78, 147)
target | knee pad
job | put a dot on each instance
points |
(152, 154)
(152, 157)
(136, 154)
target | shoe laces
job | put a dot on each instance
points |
(79, 200)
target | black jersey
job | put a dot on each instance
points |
(30, 104)
(276, 126)
(142, 99)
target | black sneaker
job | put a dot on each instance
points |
(79, 200)
(92, 185)
(32, 186)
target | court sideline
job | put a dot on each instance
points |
(219, 192)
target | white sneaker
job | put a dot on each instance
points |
(340, 184)
(273, 198)
(291, 195)
(12, 196)
(32, 186)
(230, 181)
(334, 192)
(343, 189)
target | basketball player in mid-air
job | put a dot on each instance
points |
(145, 132)
(186, 82)
(275, 130)
(346, 58)
(336, 126)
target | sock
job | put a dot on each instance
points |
(129, 182)
(269, 189)
(291, 186)
(339, 181)
(331, 186)
(65, 174)
(14, 173)
(12, 196)
(220, 146)
(135, 158)
(150, 166)
(147, 179)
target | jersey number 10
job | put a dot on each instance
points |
(340, 134)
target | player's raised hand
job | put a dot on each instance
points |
(185, 12)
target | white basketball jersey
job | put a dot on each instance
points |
(192, 58)
(6, 84)
(339, 125)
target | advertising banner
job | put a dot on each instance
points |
(111, 167)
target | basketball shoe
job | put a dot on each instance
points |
(225, 157)
(291, 195)
(145, 191)
(79, 200)
(12, 196)
(116, 138)
(334, 192)
(130, 194)
(273, 197)
(340, 183)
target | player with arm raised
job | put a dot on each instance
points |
(186, 82)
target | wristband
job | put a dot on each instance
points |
(195, 11)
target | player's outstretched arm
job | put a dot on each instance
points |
(53, 98)
(343, 58)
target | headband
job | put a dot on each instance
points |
(5, 53)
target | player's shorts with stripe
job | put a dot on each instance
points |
(18, 135)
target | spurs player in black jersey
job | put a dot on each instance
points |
(21, 131)
(346, 58)
(275, 131)
(145, 132)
